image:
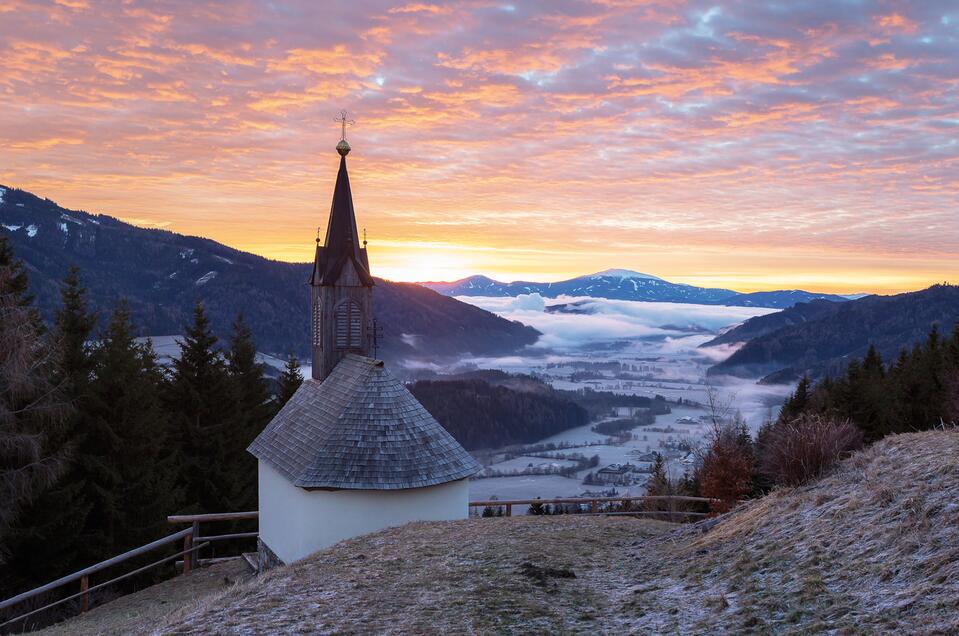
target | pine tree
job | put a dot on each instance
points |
(201, 402)
(126, 402)
(290, 380)
(255, 409)
(797, 402)
(658, 485)
(14, 283)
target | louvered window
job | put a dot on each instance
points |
(348, 325)
(317, 324)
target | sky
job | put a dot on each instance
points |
(750, 145)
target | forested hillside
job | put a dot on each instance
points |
(762, 325)
(162, 274)
(481, 415)
(825, 344)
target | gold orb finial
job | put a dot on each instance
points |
(344, 120)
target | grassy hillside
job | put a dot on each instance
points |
(874, 548)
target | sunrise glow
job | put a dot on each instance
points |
(750, 145)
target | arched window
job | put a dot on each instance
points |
(349, 324)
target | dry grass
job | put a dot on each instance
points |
(139, 611)
(456, 577)
(871, 549)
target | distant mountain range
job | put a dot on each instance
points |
(624, 284)
(162, 275)
(820, 338)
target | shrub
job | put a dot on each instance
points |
(727, 469)
(791, 452)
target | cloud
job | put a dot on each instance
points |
(646, 331)
(679, 137)
(612, 320)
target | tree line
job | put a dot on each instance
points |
(482, 415)
(99, 442)
(917, 391)
(822, 422)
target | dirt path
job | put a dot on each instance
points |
(131, 613)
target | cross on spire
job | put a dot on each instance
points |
(345, 121)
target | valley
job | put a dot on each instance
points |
(625, 347)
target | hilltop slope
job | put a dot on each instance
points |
(874, 548)
(162, 274)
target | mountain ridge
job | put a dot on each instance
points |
(820, 340)
(624, 284)
(162, 274)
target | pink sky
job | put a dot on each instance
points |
(749, 145)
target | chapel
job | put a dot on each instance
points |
(352, 451)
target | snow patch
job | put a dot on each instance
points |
(64, 217)
(19, 205)
(221, 258)
(31, 230)
(623, 273)
(194, 260)
(3, 191)
(206, 278)
(186, 252)
(12, 228)
(172, 276)
(63, 227)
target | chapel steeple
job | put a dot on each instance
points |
(342, 287)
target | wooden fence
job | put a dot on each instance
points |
(193, 540)
(83, 576)
(593, 505)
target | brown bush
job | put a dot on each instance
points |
(792, 452)
(728, 466)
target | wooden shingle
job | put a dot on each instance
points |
(360, 429)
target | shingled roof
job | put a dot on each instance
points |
(360, 429)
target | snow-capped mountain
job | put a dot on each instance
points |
(624, 284)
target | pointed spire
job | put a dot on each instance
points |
(342, 241)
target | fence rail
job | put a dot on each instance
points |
(593, 503)
(84, 575)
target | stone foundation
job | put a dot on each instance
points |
(266, 558)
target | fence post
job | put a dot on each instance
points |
(593, 506)
(187, 553)
(509, 510)
(85, 599)
(196, 539)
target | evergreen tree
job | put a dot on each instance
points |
(126, 402)
(255, 409)
(13, 280)
(290, 380)
(201, 402)
(917, 392)
(797, 401)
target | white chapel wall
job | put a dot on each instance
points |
(295, 522)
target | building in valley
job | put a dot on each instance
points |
(352, 451)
